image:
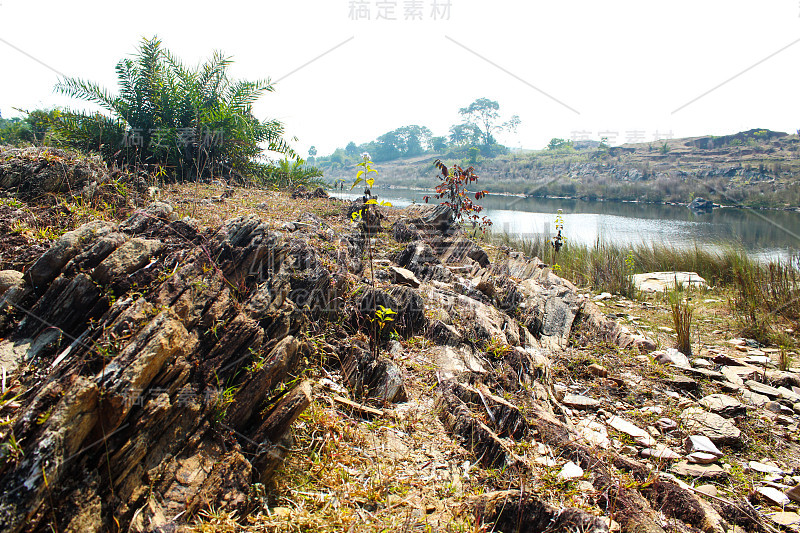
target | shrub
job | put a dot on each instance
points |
(192, 122)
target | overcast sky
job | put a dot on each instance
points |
(568, 69)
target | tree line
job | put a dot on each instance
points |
(473, 136)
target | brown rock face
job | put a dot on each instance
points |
(158, 349)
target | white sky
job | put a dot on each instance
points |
(623, 65)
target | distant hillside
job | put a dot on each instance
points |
(755, 168)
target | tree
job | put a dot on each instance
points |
(484, 114)
(465, 133)
(351, 149)
(559, 144)
(406, 141)
(312, 152)
(189, 121)
(438, 144)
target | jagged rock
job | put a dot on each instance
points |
(451, 361)
(138, 373)
(410, 319)
(420, 259)
(722, 404)
(460, 251)
(375, 378)
(702, 444)
(488, 448)
(639, 435)
(403, 276)
(513, 511)
(701, 204)
(443, 334)
(435, 221)
(312, 286)
(48, 266)
(404, 232)
(570, 471)
(547, 310)
(671, 356)
(794, 494)
(126, 259)
(720, 430)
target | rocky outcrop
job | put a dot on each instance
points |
(158, 381)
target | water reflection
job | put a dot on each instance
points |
(765, 234)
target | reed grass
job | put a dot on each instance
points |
(762, 295)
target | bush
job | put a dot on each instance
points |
(192, 122)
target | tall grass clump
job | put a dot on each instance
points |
(682, 319)
(762, 296)
(605, 266)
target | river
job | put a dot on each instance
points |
(762, 234)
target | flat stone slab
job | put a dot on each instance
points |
(789, 395)
(685, 468)
(772, 496)
(682, 383)
(763, 468)
(755, 399)
(660, 452)
(641, 437)
(720, 430)
(785, 518)
(702, 373)
(702, 458)
(577, 401)
(661, 281)
(760, 388)
(723, 405)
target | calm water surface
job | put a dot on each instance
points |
(763, 234)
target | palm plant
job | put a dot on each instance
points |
(191, 121)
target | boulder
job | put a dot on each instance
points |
(10, 279)
(410, 319)
(664, 281)
(701, 205)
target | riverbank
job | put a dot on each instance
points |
(204, 358)
(754, 169)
